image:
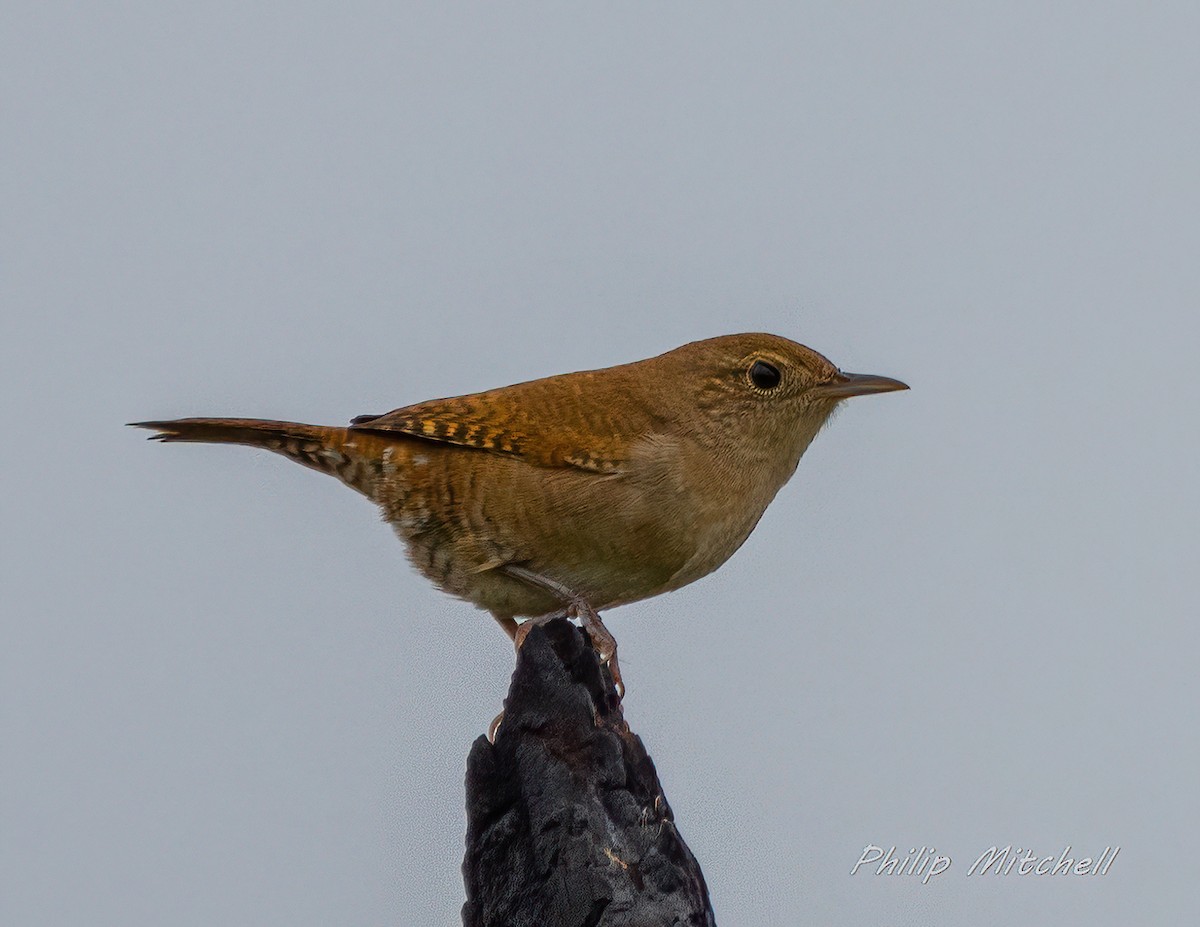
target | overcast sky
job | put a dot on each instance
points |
(969, 620)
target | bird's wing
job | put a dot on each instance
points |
(547, 424)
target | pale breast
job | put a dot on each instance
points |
(725, 501)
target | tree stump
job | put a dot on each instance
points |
(567, 824)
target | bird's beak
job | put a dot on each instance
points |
(844, 385)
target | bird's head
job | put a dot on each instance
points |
(764, 389)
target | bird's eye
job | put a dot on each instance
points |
(764, 375)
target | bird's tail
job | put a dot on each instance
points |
(335, 451)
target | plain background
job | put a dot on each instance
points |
(969, 620)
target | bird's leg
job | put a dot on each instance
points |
(509, 626)
(518, 633)
(529, 624)
(576, 607)
(602, 639)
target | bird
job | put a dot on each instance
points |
(576, 493)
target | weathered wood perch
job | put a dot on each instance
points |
(567, 824)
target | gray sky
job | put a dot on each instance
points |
(969, 620)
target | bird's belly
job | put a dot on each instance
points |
(612, 542)
(715, 543)
(608, 540)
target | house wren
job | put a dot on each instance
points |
(581, 491)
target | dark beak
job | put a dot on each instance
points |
(844, 385)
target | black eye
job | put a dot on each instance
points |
(764, 375)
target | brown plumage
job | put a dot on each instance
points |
(588, 489)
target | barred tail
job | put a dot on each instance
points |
(331, 450)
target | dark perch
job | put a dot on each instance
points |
(567, 824)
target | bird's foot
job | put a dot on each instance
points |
(576, 607)
(493, 727)
(602, 639)
(603, 642)
(529, 624)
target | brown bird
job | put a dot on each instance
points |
(581, 491)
